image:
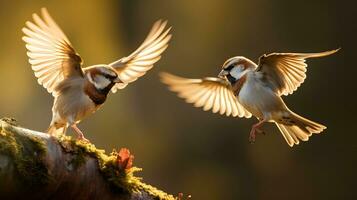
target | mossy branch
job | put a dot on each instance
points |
(34, 165)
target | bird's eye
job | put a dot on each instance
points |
(109, 77)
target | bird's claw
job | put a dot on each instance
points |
(252, 134)
(252, 137)
(83, 139)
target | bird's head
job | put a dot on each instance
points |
(103, 77)
(235, 68)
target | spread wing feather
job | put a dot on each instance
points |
(286, 71)
(50, 53)
(209, 93)
(135, 65)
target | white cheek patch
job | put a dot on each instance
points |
(90, 78)
(99, 81)
(237, 72)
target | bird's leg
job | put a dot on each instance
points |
(256, 128)
(79, 133)
(64, 130)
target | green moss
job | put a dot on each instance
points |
(121, 180)
(80, 150)
(154, 192)
(78, 157)
(28, 153)
(10, 121)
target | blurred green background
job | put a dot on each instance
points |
(181, 148)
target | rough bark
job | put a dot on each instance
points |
(34, 165)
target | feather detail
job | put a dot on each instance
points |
(135, 65)
(50, 53)
(286, 71)
(210, 93)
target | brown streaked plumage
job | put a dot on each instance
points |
(79, 92)
(244, 89)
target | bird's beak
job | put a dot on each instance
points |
(222, 74)
(117, 80)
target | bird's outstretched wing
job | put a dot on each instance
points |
(143, 58)
(210, 93)
(50, 53)
(285, 72)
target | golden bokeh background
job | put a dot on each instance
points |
(181, 148)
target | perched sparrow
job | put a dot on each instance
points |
(79, 92)
(244, 89)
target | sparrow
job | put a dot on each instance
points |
(79, 92)
(244, 88)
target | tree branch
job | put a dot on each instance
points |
(34, 165)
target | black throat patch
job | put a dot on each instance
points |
(98, 96)
(231, 79)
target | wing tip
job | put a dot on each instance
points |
(170, 77)
(333, 51)
(163, 74)
(161, 22)
(44, 9)
(24, 38)
(324, 53)
(166, 77)
(45, 13)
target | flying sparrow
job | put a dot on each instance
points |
(244, 88)
(79, 92)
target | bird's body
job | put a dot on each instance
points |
(78, 92)
(259, 99)
(244, 88)
(71, 106)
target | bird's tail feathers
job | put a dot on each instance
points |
(299, 128)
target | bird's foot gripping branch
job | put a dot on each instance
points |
(34, 165)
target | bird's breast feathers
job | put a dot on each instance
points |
(257, 98)
(72, 100)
